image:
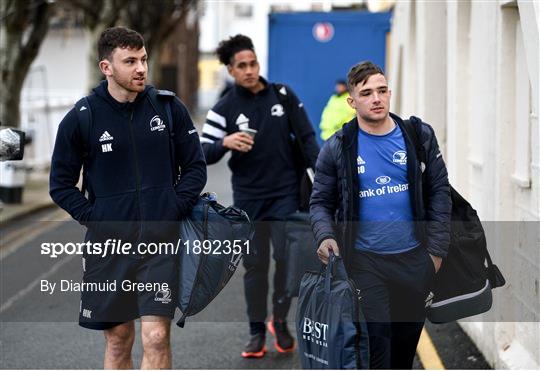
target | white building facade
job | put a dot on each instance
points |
(470, 69)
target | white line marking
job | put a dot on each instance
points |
(17, 238)
(35, 282)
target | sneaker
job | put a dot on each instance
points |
(255, 347)
(284, 341)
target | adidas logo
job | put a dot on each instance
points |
(83, 108)
(283, 90)
(105, 137)
(242, 119)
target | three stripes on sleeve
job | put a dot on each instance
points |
(214, 128)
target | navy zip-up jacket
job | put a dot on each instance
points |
(335, 201)
(269, 169)
(128, 169)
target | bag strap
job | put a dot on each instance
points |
(85, 122)
(160, 100)
(283, 98)
(334, 270)
(329, 273)
(412, 131)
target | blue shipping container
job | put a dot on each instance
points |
(310, 51)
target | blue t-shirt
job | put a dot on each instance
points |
(386, 219)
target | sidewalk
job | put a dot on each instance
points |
(35, 197)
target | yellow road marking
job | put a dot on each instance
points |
(427, 353)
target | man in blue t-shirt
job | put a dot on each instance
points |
(369, 178)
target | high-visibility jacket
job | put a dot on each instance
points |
(336, 114)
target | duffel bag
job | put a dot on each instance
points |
(462, 287)
(213, 239)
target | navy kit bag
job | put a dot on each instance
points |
(301, 251)
(462, 287)
(213, 241)
(330, 327)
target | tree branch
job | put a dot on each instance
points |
(24, 29)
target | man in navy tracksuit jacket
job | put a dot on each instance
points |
(265, 178)
(134, 193)
(369, 205)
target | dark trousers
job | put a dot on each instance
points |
(269, 216)
(393, 289)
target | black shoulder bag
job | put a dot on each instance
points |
(462, 287)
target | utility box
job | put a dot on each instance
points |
(12, 180)
(310, 51)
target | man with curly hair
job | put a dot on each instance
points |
(251, 123)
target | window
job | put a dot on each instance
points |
(522, 146)
(243, 10)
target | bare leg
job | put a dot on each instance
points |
(119, 341)
(156, 333)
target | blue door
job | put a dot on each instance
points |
(310, 51)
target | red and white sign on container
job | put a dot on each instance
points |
(323, 31)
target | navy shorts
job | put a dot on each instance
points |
(394, 288)
(121, 288)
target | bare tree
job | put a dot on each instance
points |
(184, 46)
(98, 15)
(156, 21)
(23, 26)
